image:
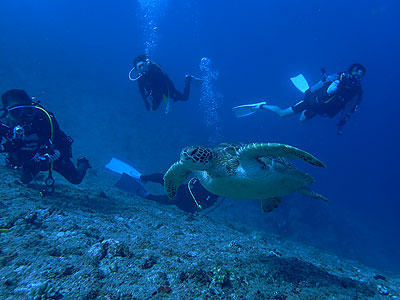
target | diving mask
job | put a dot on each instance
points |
(141, 66)
(22, 111)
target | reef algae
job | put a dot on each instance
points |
(93, 242)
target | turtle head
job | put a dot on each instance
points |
(197, 157)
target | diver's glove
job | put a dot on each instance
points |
(47, 157)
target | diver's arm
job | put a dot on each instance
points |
(141, 90)
(143, 94)
(348, 110)
(351, 106)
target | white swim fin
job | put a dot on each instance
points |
(246, 109)
(300, 83)
(120, 167)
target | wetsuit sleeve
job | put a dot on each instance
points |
(299, 106)
(141, 89)
(351, 106)
(143, 94)
(357, 102)
(349, 109)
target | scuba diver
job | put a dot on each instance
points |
(191, 197)
(33, 141)
(336, 93)
(155, 85)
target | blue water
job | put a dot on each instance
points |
(76, 55)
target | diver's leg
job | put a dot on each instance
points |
(68, 170)
(163, 199)
(155, 177)
(281, 112)
(177, 95)
(287, 112)
(307, 114)
(186, 89)
(28, 173)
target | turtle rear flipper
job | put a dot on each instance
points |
(310, 193)
(174, 177)
(270, 204)
(257, 150)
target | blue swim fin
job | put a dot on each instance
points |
(300, 83)
(246, 109)
(120, 167)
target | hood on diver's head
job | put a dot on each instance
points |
(356, 66)
(15, 97)
(140, 58)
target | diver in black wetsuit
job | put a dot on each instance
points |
(34, 142)
(155, 86)
(191, 197)
(340, 92)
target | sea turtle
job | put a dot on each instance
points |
(244, 172)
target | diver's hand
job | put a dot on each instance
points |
(341, 123)
(47, 157)
(343, 120)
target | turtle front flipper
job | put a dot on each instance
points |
(310, 193)
(174, 177)
(270, 204)
(256, 150)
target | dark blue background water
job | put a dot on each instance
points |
(83, 51)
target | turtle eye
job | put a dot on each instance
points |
(194, 152)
